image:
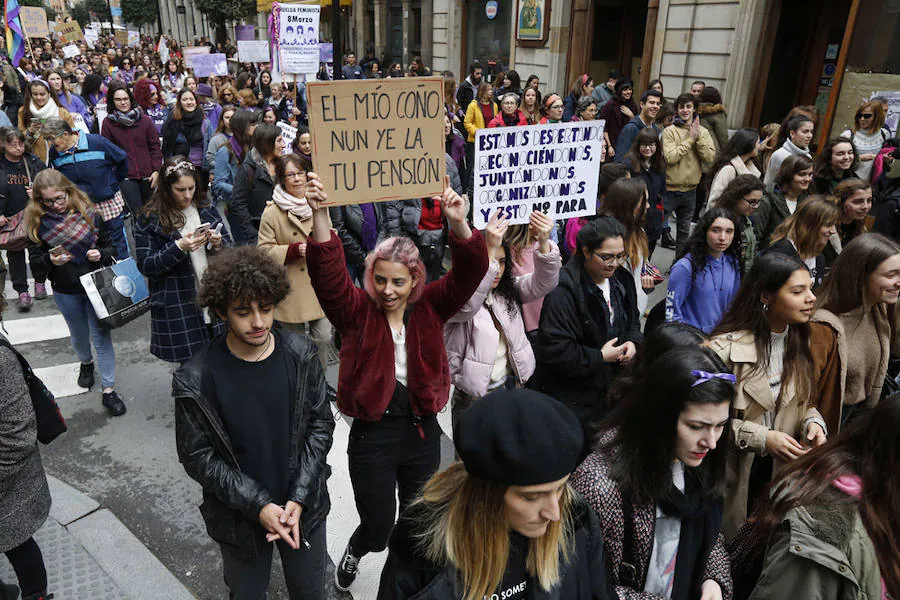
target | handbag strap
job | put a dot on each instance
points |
(628, 574)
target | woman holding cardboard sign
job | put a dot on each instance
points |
(393, 377)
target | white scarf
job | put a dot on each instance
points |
(198, 257)
(49, 110)
(292, 204)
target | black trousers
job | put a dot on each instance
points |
(386, 456)
(304, 569)
(28, 563)
(19, 274)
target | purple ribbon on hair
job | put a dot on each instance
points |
(706, 376)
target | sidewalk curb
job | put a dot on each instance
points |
(121, 555)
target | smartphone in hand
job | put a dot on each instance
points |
(58, 251)
(202, 230)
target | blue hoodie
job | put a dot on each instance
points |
(702, 302)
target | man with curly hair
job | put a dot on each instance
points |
(253, 427)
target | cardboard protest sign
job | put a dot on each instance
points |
(378, 139)
(552, 168)
(192, 51)
(253, 51)
(71, 51)
(298, 38)
(206, 65)
(69, 32)
(34, 21)
(122, 38)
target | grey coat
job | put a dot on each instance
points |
(24, 495)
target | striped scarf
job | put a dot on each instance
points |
(70, 231)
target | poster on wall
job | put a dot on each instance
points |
(532, 22)
(298, 38)
(553, 168)
(892, 119)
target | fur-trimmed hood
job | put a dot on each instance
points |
(705, 109)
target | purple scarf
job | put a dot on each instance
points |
(369, 227)
(236, 147)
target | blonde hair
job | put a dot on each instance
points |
(464, 526)
(78, 201)
(803, 226)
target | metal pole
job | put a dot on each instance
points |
(336, 34)
(159, 17)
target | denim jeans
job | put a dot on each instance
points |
(116, 229)
(682, 204)
(76, 309)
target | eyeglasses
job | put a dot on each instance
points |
(51, 202)
(752, 202)
(866, 116)
(609, 258)
(295, 175)
(650, 145)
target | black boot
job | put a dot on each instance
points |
(666, 241)
(86, 375)
(113, 403)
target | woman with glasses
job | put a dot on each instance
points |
(75, 239)
(706, 278)
(868, 136)
(590, 324)
(742, 197)
(552, 109)
(644, 160)
(285, 226)
(227, 95)
(147, 95)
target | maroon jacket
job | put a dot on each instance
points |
(140, 143)
(366, 378)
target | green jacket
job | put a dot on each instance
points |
(821, 552)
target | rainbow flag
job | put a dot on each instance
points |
(15, 39)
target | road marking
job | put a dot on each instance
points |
(61, 380)
(36, 329)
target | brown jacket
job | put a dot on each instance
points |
(39, 145)
(277, 230)
(754, 399)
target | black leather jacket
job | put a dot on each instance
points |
(231, 499)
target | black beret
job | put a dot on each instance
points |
(519, 437)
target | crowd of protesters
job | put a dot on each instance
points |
(738, 439)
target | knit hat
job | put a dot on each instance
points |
(204, 90)
(519, 437)
(625, 82)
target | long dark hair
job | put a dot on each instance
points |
(769, 273)
(657, 162)
(823, 171)
(868, 447)
(240, 123)
(698, 248)
(657, 341)
(624, 197)
(506, 288)
(646, 426)
(742, 142)
(162, 204)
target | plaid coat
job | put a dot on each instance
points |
(177, 329)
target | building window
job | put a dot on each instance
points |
(487, 40)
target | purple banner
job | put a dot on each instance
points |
(244, 32)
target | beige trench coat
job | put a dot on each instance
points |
(754, 399)
(277, 230)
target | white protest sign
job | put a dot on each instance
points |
(78, 120)
(893, 114)
(91, 36)
(298, 38)
(189, 54)
(100, 114)
(71, 51)
(255, 51)
(134, 38)
(289, 133)
(553, 168)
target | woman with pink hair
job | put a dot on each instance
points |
(394, 374)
